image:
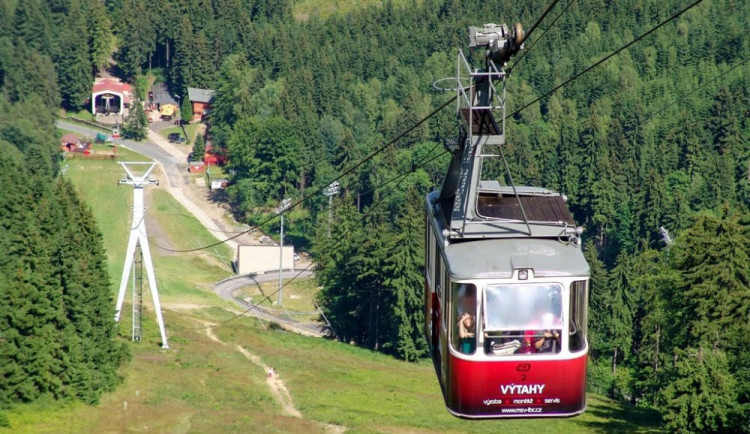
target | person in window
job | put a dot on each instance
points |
(546, 339)
(467, 319)
(548, 342)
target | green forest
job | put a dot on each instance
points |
(57, 339)
(651, 148)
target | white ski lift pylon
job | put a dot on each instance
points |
(138, 236)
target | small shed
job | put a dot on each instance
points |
(69, 141)
(101, 138)
(200, 99)
(219, 183)
(196, 167)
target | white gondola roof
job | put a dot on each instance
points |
(497, 258)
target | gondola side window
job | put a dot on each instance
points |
(438, 273)
(428, 243)
(464, 313)
(578, 321)
(430, 259)
(522, 319)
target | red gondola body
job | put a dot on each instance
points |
(486, 384)
(518, 388)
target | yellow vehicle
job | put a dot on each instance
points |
(167, 111)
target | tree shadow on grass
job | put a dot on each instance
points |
(219, 196)
(615, 417)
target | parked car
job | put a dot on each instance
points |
(179, 140)
(173, 136)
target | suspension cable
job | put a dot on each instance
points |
(426, 161)
(320, 189)
(552, 24)
(340, 239)
(433, 113)
(614, 53)
(541, 18)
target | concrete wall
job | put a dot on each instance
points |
(259, 259)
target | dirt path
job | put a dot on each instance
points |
(183, 306)
(277, 386)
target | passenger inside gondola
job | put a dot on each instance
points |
(545, 339)
(467, 318)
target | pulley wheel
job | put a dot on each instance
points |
(518, 34)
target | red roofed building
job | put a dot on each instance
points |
(72, 143)
(201, 101)
(211, 159)
(109, 95)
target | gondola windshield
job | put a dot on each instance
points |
(513, 307)
(523, 319)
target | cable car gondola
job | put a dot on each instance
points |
(506, 283)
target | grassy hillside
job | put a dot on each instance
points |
(304, 9)
(202, 384)
(170, 225)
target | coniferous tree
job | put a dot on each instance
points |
(402, 271)
(338, 276)
(715, 288)
(31, 76)
(33, 25)
(199, 148)
(101, 39)
(707, 304)
(55, 313)
(203, 68)
(74, 66)
(87, 295)
(620, 316)
(183, 68)
(651, 325)
(137, 126)
(701, 393)
(186, 110)
(136, 36)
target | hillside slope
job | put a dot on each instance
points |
(204, 385)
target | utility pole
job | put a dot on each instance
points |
(281, 210)
(179, 110)
(330, 191)
(139, 238)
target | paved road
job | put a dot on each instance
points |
(226, 288)
(174, 165)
